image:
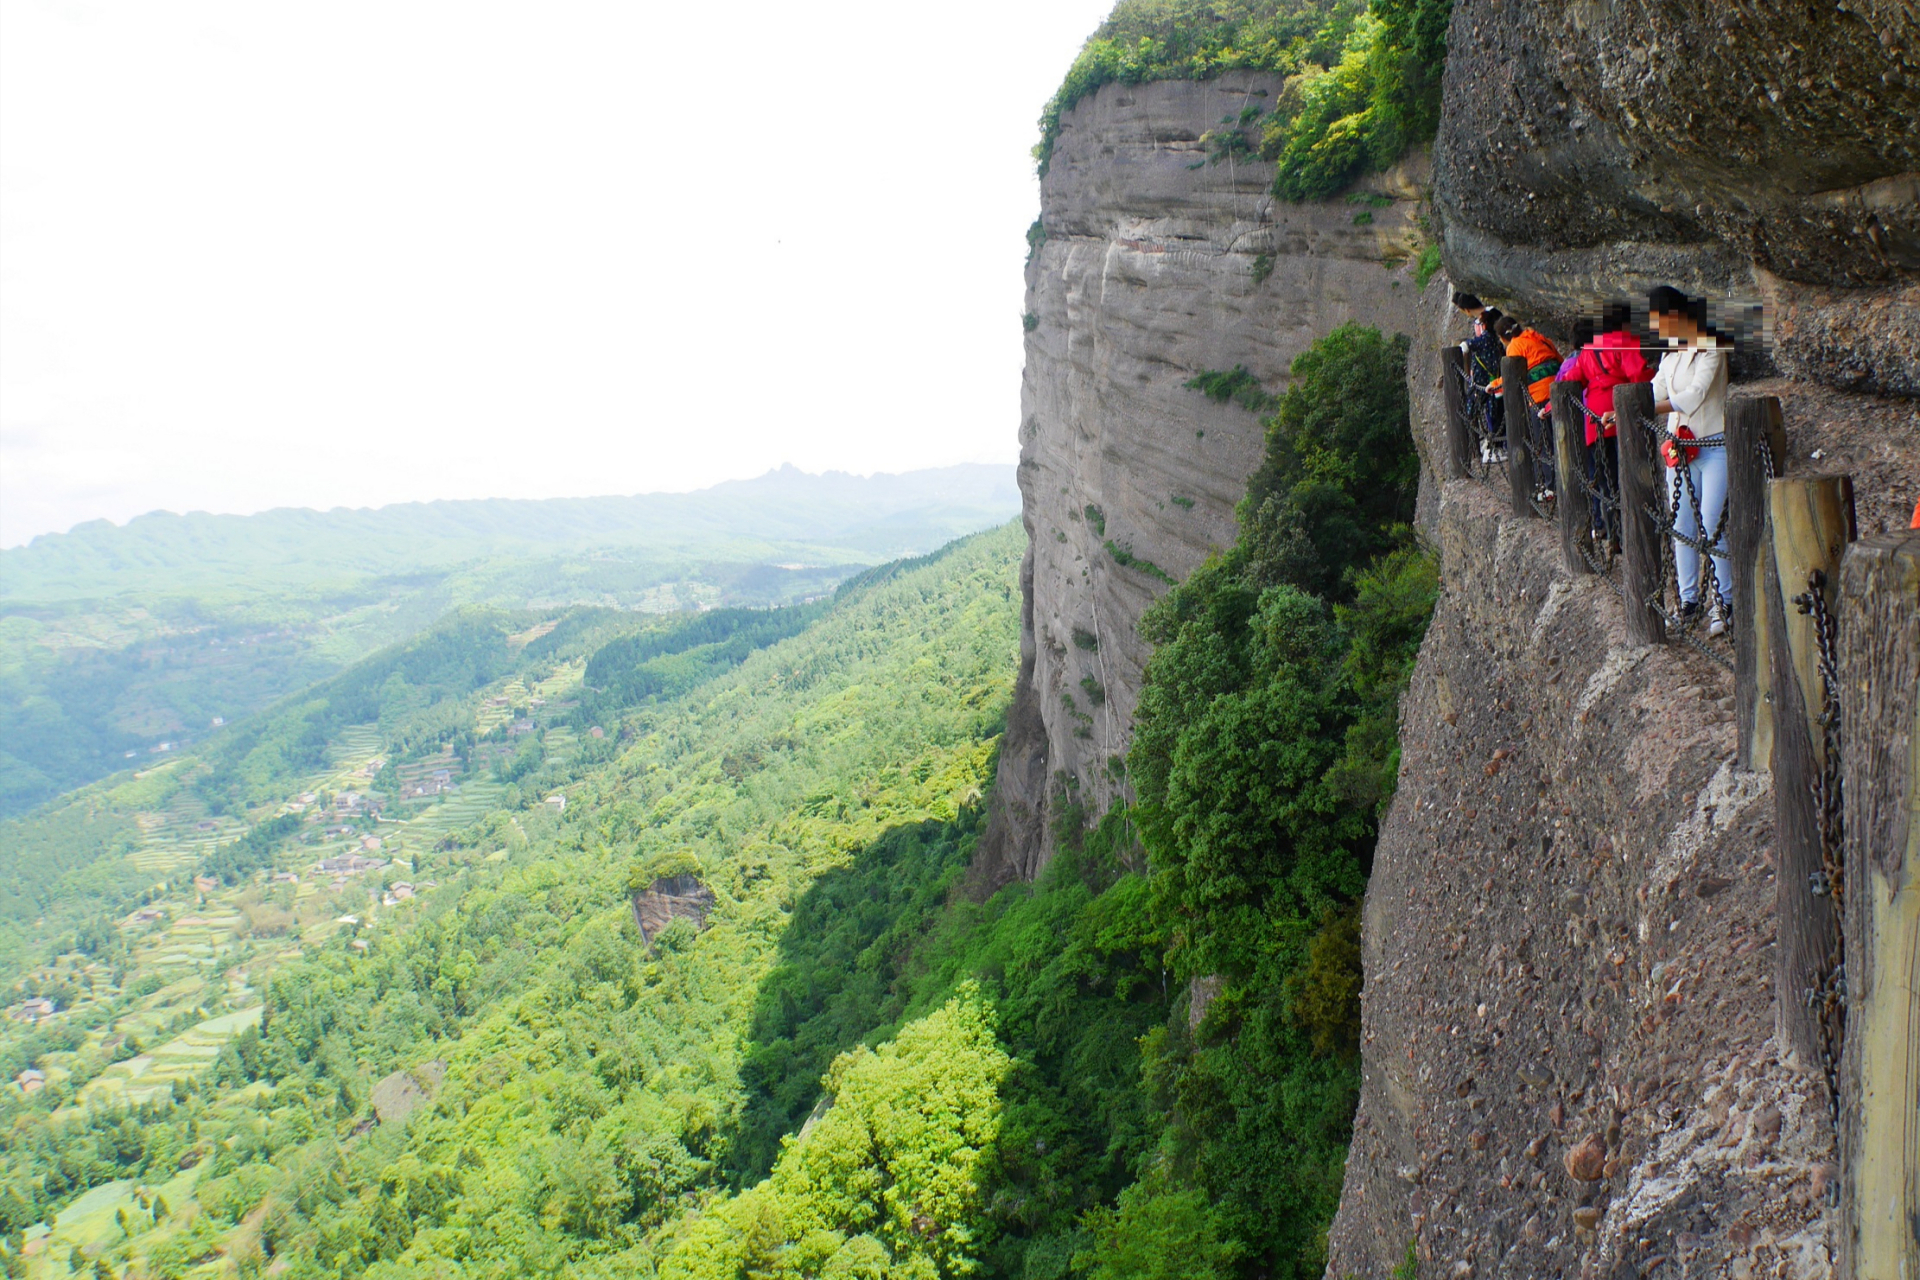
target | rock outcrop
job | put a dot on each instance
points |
(1159, 262)
(1569, 1057)
(1568, 1021)
(1755, 153)
(668, 899)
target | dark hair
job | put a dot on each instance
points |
(1490, 318)
(1614, 317)
(1507, 328)
(1582, 331)
(1466, 301)
(1669, 301)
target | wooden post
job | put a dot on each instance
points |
(1879, 643)
(1459, 436)
(1749, 464)
(1811, 524)
(1641, 542)
(1570, 463)
(1519, 408)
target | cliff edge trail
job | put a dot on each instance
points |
(1571, 1051)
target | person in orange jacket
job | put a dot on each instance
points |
(1542, 357)
(1543, 361)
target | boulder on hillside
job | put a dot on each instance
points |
(668, 899)
(396, 1096)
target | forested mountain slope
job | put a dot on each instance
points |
(586, 1076)
(119, 644)
(880, 514)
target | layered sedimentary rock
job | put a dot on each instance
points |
(1756, 153)
(1159, 262)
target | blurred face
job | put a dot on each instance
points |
(1672, 325)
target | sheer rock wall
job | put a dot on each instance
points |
(1762, 153)
(1145, 278)
(1568, 1058)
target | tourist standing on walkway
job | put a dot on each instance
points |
(1690, 388)
(1612, 359)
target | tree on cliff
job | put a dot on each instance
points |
(1361, 84)
(1264, 749)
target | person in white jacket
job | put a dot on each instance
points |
(1690, 388)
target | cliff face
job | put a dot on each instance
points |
(1568, 944)
(1755, 152)
(1147, 276)
(1569, 1058)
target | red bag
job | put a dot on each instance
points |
(1670, 452)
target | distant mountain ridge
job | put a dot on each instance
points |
(874, 515)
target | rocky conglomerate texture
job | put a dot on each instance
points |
(1757, 152)
(1569, 1063)
(1147, 276)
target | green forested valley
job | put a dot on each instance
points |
(122, 644)
(587, 942)
(586, 888)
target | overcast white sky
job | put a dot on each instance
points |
(256, 253)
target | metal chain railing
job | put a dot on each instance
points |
(1686, 504)
(1542, 496)
(1602, 485)
(1828, 997)
(1486, 425)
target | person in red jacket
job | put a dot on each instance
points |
(1614, 358)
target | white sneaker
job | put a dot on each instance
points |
(1717, 620)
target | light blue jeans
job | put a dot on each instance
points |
(1709, 491)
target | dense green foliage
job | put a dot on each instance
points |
(667, 662)
(1362, 80)
(888, 1181)
(1337, 486)
(593, 1084)
(1142, 1065)
(235, 862)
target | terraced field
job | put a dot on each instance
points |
(195, 936)
(91, 1223)
(356, 745)
(180, 836)
(564, 678)
(142, 1078)
(464, 807)
(496, 708)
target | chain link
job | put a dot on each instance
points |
(1477, 403)
(1684, 624)
(1828, 996)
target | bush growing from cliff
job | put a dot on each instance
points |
(1338, 483)
(1265, 747)
(1363, 81)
